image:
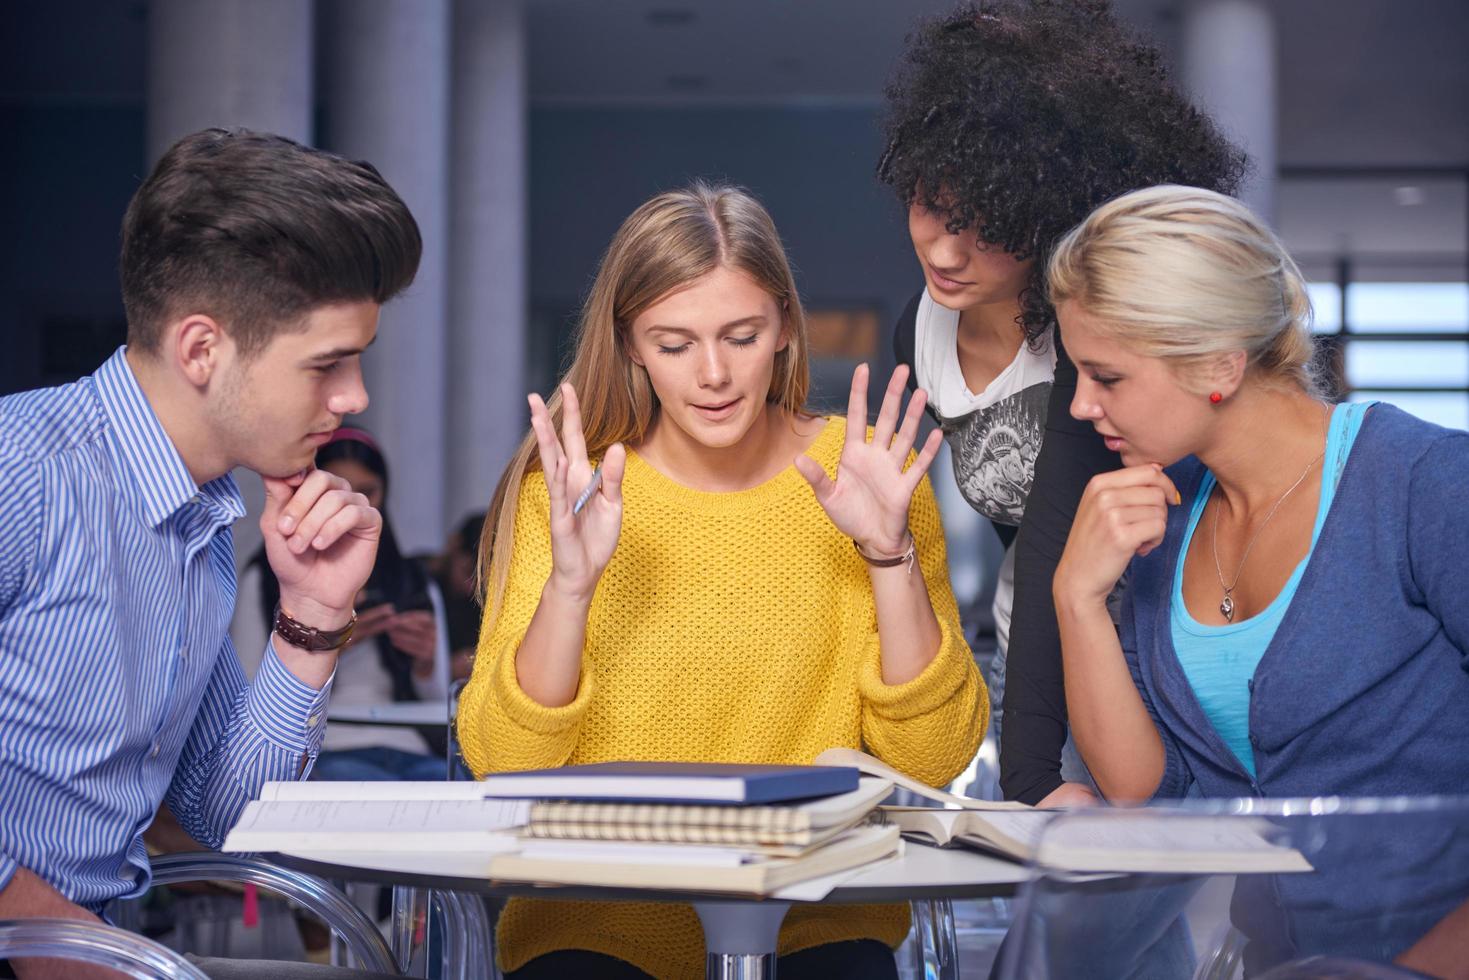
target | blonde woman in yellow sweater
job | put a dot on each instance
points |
(748, 583)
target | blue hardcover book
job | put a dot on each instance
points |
(674, 782)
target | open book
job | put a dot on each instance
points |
(371, 816)
(1131, 841)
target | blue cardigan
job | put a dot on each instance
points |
(1364, 691)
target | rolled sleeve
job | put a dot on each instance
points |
(503, 729)
(290, 715)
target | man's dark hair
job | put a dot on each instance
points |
(1016, 118)
(257, 230)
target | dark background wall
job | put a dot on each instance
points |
(813, 168)
(66, 175)
(68, 172)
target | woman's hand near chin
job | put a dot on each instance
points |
(1121, 514)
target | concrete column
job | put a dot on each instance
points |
(228, 63)
(1229, 68)
(385, 88)
(487, 283)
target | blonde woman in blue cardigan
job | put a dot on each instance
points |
(1297, 569)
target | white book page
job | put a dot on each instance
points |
(616, 852)
(815, 889)
(875, 767)
(319, 789)
(1172, 843)
(392, 713)
(343, 823)
(870, 791)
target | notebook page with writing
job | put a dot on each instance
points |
(322, 789)
(388, 825)
(1171, 843)
(1135, 842)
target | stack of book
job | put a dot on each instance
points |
(747, 830)
(708, 827)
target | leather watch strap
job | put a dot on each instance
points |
(309, 638)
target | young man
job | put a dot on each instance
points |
(252, 269)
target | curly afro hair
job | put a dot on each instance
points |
(1018, 117)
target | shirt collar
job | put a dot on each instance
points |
(155, 472)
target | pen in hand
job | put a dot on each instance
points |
(581, 501)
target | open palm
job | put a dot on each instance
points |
(868, 501)
(581, 543)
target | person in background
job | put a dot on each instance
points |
(1295, 623)
(745, 583)
(454, 571)
(398, 652)
(1006, 123)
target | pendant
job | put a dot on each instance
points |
(1227, 608)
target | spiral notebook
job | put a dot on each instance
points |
(795, 825)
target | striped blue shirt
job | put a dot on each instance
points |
(118, 684)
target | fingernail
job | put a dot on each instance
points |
(296, 545)
(287, 522)
(1177, 497)
(320, 542)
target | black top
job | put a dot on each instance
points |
(1035, 699)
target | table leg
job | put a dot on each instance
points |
(741, 938)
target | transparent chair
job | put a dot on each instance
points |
(93, 942)
(363, 945)
(1326, 887)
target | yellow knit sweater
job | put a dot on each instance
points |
(728, 627)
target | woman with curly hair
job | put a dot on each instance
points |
(1008, 122)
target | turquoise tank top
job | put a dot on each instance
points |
(1220, 661)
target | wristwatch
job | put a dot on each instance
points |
(309, 638)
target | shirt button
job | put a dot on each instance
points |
(313, 718)
(153, 753)
(183, 653)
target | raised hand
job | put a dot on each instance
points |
(581, 544)
(1122, 513)
(868, 500)
(321, 541)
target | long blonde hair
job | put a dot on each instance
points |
(666, 244)
(1188, 275)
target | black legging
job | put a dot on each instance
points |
(858, 959)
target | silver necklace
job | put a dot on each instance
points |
(1227, 606)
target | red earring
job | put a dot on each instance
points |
(1215, 397)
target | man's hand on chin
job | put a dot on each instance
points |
(321, 541)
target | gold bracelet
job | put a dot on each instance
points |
(906, 557)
